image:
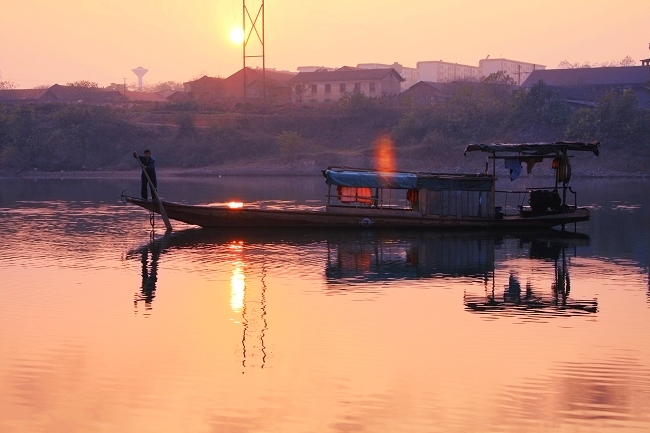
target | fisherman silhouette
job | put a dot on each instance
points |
(149, 164)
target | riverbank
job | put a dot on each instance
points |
(583, 167)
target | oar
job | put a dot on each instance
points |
(163, 214)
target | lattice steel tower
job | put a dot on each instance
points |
(251, 25)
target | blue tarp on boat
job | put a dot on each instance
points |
(371, 179)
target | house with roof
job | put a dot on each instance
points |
(144, 97)
(410, 75)
(167, 93)
(26, 96)
(178, 96)
(203, 85)
(85, 95)
(205, 89)
(329, 86)
(585, 86)
(428, 92)
(61, 94)
(269, 83)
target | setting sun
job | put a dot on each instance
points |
(237, 35)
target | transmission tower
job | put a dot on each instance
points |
(254, 26)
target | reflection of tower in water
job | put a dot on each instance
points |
(250, 300)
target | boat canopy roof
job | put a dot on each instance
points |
(365, 178)
(535, 149)
(370, 178)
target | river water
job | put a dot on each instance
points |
(106, 326)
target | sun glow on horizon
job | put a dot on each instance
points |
(237, 35)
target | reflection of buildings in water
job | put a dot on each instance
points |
(250, 301)
(513, 301)
(149, 257)
(408, 257)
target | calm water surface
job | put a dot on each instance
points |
(105, 327)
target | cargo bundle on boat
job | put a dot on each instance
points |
(372, 198)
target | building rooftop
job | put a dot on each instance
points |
(144, 97)
(345, 73)
(22, 94)
(590, 76)
(503, 59)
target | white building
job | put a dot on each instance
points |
(314, 68)
(411, 75)
(438, 71)
(518, 71)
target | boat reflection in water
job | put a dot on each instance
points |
(380, 256)
(531, 300)
(355, 259)
(474, 255)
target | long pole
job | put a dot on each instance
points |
(163, 214)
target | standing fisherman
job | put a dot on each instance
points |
(150, 166)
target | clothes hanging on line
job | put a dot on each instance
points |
(530, 162)
(515, 168)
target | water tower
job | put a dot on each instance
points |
(140, 71)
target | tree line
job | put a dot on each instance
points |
(55, 137)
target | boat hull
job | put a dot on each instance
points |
(224, 217)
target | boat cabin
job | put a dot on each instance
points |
(443, 195)
(460, 196)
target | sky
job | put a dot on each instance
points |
(47, 42)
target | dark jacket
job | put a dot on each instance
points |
(149, 166)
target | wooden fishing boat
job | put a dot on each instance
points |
(370, 198)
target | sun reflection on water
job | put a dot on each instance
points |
(237, 286)
(237, 279)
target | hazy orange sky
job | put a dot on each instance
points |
(47, 42)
